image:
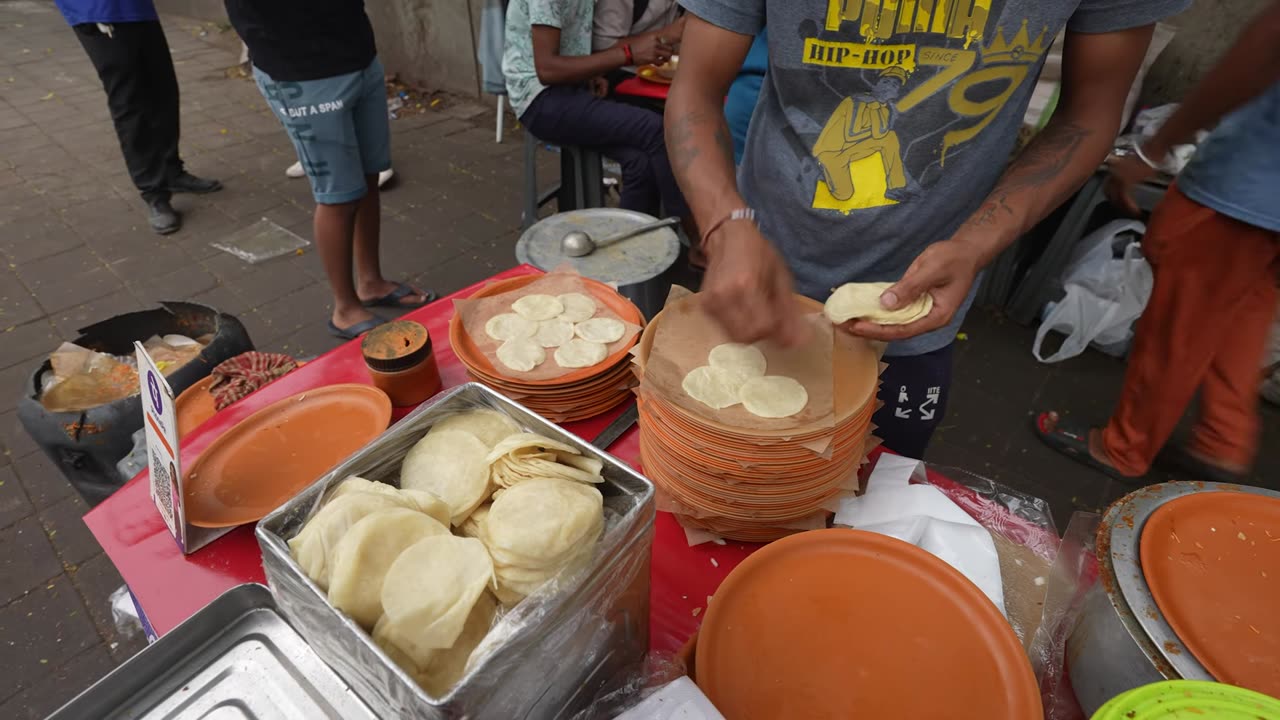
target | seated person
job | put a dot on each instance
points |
(555, 84)
(617, 19)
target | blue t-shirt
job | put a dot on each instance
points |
(745, 92)
(1236, 170)
(78, 12)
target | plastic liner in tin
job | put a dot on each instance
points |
(547, 657)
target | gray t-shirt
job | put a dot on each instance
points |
(882, 126)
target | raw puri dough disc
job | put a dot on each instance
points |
(509, 326)
(774, 396)
(579, 353)
(577, 307)
(313, 546)
(429, 591)
(553, 333)
(420, 500)
(366, 551)
(538, 307)
(744, 359)
(715, 387)
(489, 426)
(451, 464)
(521, 355)
(601, 330)
(862, 300)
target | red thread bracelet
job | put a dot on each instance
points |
(736, 214)
(626, 50)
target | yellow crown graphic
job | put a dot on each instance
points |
(1021, 51)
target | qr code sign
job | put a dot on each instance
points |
(161, 484)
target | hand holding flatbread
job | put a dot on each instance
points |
(853, 301)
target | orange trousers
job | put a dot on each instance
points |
(1206, 327)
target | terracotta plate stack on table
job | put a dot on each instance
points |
(754, 484)
(576, 395)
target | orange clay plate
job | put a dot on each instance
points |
(849, 624)
(1212, 561)
(194, 406)
(474, 360)
(274, 453)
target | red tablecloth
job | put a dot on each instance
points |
(170, 587)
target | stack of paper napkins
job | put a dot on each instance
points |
(923, 516)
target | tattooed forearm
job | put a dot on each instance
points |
(1052, 167)
(683, 140)
(1045, 157)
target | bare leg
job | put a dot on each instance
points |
(334, 229)
(370, 284)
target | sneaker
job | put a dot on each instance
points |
(295, 171)
(188, 183)
(163, 218)
(385, 176)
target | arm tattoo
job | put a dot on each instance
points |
(1034, 169)
(683, 146)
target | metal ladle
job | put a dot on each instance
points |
(578, 244)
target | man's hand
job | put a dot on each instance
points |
(946, 271)
(646, 49)
(748, 288)
(1127, 173)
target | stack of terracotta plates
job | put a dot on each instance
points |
(574, 396)
(759, 485)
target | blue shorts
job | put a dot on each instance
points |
(338, 126)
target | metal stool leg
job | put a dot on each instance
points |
(530, 213)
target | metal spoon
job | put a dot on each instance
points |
(577, 243)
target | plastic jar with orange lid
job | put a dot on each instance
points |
(401, 363)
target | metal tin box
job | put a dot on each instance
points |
(556, 650)
(235, 658)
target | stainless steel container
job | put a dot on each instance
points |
(235, 658)
(1121, 640)
(557, 649)
(641, 267)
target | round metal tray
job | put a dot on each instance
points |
(1125, 521)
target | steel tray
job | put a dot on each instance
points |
(235, 658)
(557, 650)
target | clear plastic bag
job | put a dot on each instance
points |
(1074, 571)
(260, 242)
(1026, 540)
(124, 613)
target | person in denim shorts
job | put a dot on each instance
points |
(316, 64)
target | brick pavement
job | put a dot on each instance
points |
(77, 249)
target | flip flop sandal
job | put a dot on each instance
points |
(354, 331)
(1178, 459)
(1073, 441)
(402, 291)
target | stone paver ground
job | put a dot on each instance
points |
(76, 249)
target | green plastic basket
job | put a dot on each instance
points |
(1190, 700)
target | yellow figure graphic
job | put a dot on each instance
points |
(860, 128)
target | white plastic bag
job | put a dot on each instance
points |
(1105, 294)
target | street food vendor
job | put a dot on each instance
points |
(879, 152)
